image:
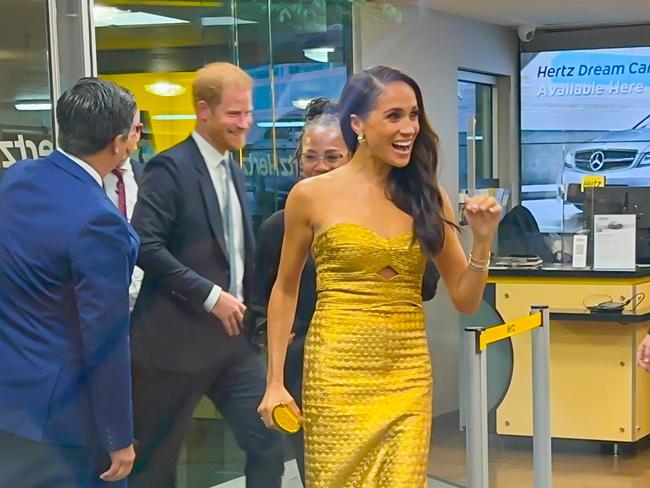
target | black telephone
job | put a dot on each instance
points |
(610, 306)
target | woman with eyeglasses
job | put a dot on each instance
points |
(321, 149)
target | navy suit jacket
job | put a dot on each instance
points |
(66, 258)
(138, 169)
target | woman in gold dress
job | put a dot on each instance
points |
(371, 225)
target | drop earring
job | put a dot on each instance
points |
(361, 139)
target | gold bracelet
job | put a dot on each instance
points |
(482, 268)
(479, 261)
(479, 264)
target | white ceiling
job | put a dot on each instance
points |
(544, 12)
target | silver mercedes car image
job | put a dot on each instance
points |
(622, 157)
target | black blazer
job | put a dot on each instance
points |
(267, 261)
(183, 253)
(138, 169)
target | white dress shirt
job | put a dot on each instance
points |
(215, 162)
(131, 196)
(130, 187)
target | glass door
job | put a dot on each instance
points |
(26, 108)
(476, 134)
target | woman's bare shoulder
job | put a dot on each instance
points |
(316, 187)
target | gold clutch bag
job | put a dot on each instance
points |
(284, 419)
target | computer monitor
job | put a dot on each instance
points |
(621, 200)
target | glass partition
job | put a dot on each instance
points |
(294, 51)
(26, 108)
(476, 134)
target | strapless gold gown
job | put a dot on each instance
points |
(367, 378)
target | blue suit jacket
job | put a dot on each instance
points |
(66, 258)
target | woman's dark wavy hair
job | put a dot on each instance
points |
(413, 188)
(319, 111)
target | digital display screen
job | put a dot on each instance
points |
(583, 113)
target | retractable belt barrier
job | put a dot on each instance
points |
(476, 342)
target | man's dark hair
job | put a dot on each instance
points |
(91, 114)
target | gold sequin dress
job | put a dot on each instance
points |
(367, 389)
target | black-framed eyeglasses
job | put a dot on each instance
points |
(331, 159)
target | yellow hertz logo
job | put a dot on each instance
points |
(592, 181)
(500, 332)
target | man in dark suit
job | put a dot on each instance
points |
(66, 257)
(188, 338)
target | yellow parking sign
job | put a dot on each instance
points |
(592, 181)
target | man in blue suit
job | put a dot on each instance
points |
(66, 258)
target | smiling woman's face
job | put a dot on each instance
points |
(391, 127)
(323, 149)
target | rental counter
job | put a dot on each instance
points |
(597, 391)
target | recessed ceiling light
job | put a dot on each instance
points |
(319, 54)
(228, 20)
(301, 103)
(113, 16)
(174, 117)
(33, 106)
(289, 123)
(165, 89)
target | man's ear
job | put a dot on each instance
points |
(203, 110)
(115, 144)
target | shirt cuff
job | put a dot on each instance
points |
(212, 299)
(134, 288)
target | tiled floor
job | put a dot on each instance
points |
(292, 480)
(210, 456)
(212, 459)
(576, 464)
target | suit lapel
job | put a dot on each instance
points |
(137, 168)
(210, 199)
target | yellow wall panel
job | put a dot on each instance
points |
(592, 365)
(166, 133)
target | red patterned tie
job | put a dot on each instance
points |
(121, 191)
